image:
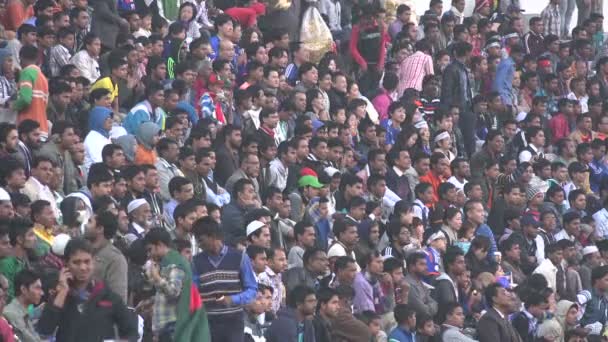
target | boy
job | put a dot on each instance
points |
(406, 324)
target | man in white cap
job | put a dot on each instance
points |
(140, 219)
(258, 234)
(591, 260)
(6, 206)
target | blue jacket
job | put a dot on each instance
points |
(503, 82)
(401, 335)
(484, 230)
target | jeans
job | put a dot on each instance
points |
(566, 9)
(166, 335)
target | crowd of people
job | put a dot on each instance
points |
(313, 171)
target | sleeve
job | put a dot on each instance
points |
(164, 179)
(103, 12)
(49, 320)
(116, 276)
(415, 299)
(126, 320)
(447, 88)
(172, 285)
(525, 156)
(383, 44)
(354, 50)
(27, 78)
(364, 298)
(19, 327)
(15, 16)
(82, 66)
(250, 286)
(488, 331)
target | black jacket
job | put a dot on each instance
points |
(285, 328)
(89, 320)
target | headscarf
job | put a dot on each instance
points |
(145, 134)
(128, 144)
(97, 117)
(4, 53)
(563, 306)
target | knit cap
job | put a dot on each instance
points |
(531, 192)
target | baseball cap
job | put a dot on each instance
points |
(529, 220)
(309, 181)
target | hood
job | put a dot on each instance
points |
(128, 144)
(561, 310)
(4, 53)
(145, 134)
(97, 117)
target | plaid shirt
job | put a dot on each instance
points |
(551, 19)
(59, 56)
(168, 289)
(413, 70)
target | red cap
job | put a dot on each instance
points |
(308, 172)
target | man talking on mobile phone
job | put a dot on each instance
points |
(83, 309)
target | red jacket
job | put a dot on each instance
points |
(354, 49)
(559, 126)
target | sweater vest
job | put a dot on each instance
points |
(215, 282)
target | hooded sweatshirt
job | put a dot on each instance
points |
(98, 136)
(145, 153)
(129, 146)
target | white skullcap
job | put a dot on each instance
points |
(59, 243)
(331, 171)
(4, 196)
(134, 204)
(590, 249)
(253, 226)
(521, 116)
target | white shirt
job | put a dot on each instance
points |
(38, 191)
(94, 143)
(601, 223)
(88, 66)
(549, 271)
(457, 183)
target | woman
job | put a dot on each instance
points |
(565, 319)
(424, 143)
(187, 14)
(369, 233)
(100, 124)
(129, 146)
(407, 139)
(352, 92)
(452, 224)
(443, 144)
(250, 36)
(329, 63)
(76, 213)
(315, 104)
(147, 136)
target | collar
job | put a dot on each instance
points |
(398, 172)
(139, 229)
(499, 313)
(268, 131)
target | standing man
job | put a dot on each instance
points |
(224, 301)
(110, 263)
(64, 316)
(174, 316)
(33, 94)
(456, 91)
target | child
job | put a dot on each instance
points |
(465, 236)
(406, 324)
(372, 320)
(425, 327)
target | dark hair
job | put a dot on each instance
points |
(490, 292)
(298, 295)
(309, 253)
(403, 312)
(207, 226)
(77, 245)
(598, 273)
(450, 256)
(156, 236)
(109, 222)
(342, 262)
(253, 251)
(413, 258)
(176, 184)
(25, 277)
